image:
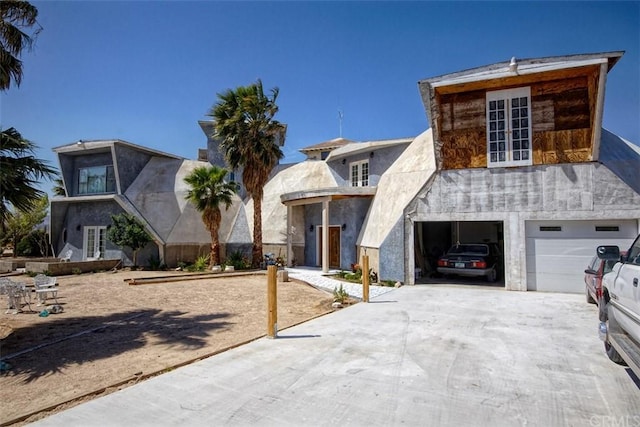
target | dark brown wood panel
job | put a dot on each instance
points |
(572, 110)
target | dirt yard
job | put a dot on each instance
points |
(113, 334)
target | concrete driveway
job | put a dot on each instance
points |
(435, 355)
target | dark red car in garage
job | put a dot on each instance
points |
(471, 260)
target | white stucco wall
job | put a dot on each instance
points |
(307, 175)
(159, 192)
(397, 187)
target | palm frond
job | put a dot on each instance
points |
(16, 18)
(250, 138)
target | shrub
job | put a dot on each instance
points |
(76, 270)
(340, 295)
(201, 263)
(238, 260)
(33, 244)
(356, 276)
(155, 264)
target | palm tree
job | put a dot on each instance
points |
(16, 16)
(20, 173)
(250, 138)
(58, 187)
(208, 191)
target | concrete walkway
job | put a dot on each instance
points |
(315, 277)
(419, 355)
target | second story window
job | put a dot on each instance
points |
(96, 180)
(509, 127)
(359, 175)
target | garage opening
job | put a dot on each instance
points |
(433, 239)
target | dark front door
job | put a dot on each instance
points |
(334, 247)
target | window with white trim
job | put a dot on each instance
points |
(509, 127)
(96, 180)
(359, 173)
(94, 241)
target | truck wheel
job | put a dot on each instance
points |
(612, 353)
(614, 356)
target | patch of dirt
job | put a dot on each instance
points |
(112, 334)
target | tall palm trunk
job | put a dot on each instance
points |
(213, 220)
(257, 230)
(215, 248)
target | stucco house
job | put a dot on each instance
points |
(108, 177)
(516, 155)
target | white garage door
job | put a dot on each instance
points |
(559, 251)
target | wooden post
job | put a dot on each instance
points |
(272, 301)
(365, 278)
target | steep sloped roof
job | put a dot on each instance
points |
(82, 147)
(327, 145)
(397, 187)
(621, 157)
(307, 175)
(361, 147)
(158, 194)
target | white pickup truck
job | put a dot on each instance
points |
(620, 306)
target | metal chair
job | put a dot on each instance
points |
(67, 256)
(16, 293)
(45, 285)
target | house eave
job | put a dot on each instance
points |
(82, 147)
(522, 70)
(84, 199)
(363, 147)
(523, 67)
(325, 194)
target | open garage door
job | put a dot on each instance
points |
(433, 238)
(559, 251)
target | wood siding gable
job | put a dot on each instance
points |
(562, 108)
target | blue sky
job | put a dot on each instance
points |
(147, 71)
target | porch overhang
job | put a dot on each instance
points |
(320, 195)
(324, 196)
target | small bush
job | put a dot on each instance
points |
(340, 295)
(238, 260)
(201, 264)
(34, 244)
(354, 277)
(76, 270)
(155, 264)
